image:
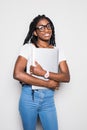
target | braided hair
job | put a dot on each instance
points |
(32, 38)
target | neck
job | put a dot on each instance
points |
(42, 44)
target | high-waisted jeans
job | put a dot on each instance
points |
(39, 103)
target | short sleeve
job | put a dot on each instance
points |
(61, 55)
(25, 51)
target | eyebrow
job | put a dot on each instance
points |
(42, 24)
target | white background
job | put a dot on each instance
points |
(70, 20)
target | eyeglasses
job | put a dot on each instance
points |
(41, 28)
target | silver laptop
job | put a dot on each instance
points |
(47, 58)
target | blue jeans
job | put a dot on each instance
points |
(39, 103)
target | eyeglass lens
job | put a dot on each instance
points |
(42, 27)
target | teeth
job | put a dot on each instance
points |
(46, 34)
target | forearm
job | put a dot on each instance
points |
(29, 79)
(60, 77)
(20, 75)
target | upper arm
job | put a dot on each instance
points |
(20, 64)
(63, 67)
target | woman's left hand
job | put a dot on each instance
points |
(37, 69)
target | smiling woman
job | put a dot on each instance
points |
(34, 102)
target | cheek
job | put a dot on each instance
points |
(51, 33)
(40, 34)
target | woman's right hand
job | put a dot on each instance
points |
(53, 84)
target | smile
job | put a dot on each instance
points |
(47, 35)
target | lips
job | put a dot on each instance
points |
(47, 35)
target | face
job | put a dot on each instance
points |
(43, 30)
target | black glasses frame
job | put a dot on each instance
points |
(41, 28)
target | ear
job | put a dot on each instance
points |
(35, 33)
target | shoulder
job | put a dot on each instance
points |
(61, 51)
(25, 50)
(26, 47)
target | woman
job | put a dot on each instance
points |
(39, 102)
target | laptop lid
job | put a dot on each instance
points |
(47, 58)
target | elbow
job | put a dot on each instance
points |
(67, 79)
(16, 75)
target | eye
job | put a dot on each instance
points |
(48, 26)
(41, 27)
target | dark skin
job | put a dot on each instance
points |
(54, 78)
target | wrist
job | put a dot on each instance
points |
(42, 73)
(46, 75)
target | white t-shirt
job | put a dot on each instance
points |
(26, 52)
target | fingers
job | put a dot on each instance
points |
(31, 72)
(35, 69)
(31, 69)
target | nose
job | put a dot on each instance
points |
(46, 29)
